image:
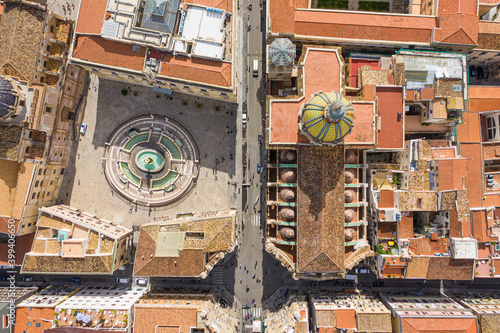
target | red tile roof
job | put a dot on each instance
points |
(443, 153)
(457, 29)
(4, 225)
(195, 69)
(439, 325)
(451, 174)
(33, 316)
(390, 102)
(285, 113)
(91, 16)
(402, 28)
(479, 225)
(106, 52)
(346, 318)
(457, 6)
(484, 98)
(21, 247)
(474, 179)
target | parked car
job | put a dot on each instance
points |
(76, 280)
(83, 129)
(244, 118)
(141, 282)
(472, 70)
(28, 279)
(122, 280)
(259, 167)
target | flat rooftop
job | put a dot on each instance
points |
(284, 113)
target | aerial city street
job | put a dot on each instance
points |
(280, 166)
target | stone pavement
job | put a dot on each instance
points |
(210, 123)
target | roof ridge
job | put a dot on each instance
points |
(221, 229)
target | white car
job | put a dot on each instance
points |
(244, 118)
(141, 282)
(83, 129)
(122, 280)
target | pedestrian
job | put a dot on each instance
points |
(78, 181)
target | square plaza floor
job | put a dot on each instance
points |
(211, 123)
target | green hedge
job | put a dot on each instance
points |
(374, 6)
(332, 4)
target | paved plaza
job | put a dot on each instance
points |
(210, 123)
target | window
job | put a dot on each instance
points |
(33, 195)
(48, 194)
(54, 172)
(21, 103)
(51, 182)
(36, 183)
(5, 321)
(38, 324)
(41, 183)
(29, 224)
(27, 150)
(62, 171)
(492, 130)
(419, 203)
(29, 324)
(51, 28)
(40, 171)
(38, 195)
(44, 171)
(203, 90)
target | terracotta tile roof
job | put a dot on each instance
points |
(147, 319)
(386, 199)
(479, 225)
(447, 268)
(4, 225)
(405, 229)
(188, 263)
(106, 52)
(457, 29)
(488, 35)
(451, 174)
(285, 112)
(457, 6)
(469, 130)
(321, 207)
(91, 16)
(390, 102)
(491, 151)
(88, 265)
(474, 179)
(417, 268)
(21, 29)
(33, 316)
(374, 322)
(346, 318)
(490, 324)
(326, 318)
(439, 325)
(363, 131)
(443, 153)
(484, 98)
(402, 28)
(426, 246)
(15, 181)
(219, 233)
(21, 247)
(196, 69)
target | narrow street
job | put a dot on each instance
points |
(249, 270)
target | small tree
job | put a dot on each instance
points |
(124, 92)
(199, 105)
